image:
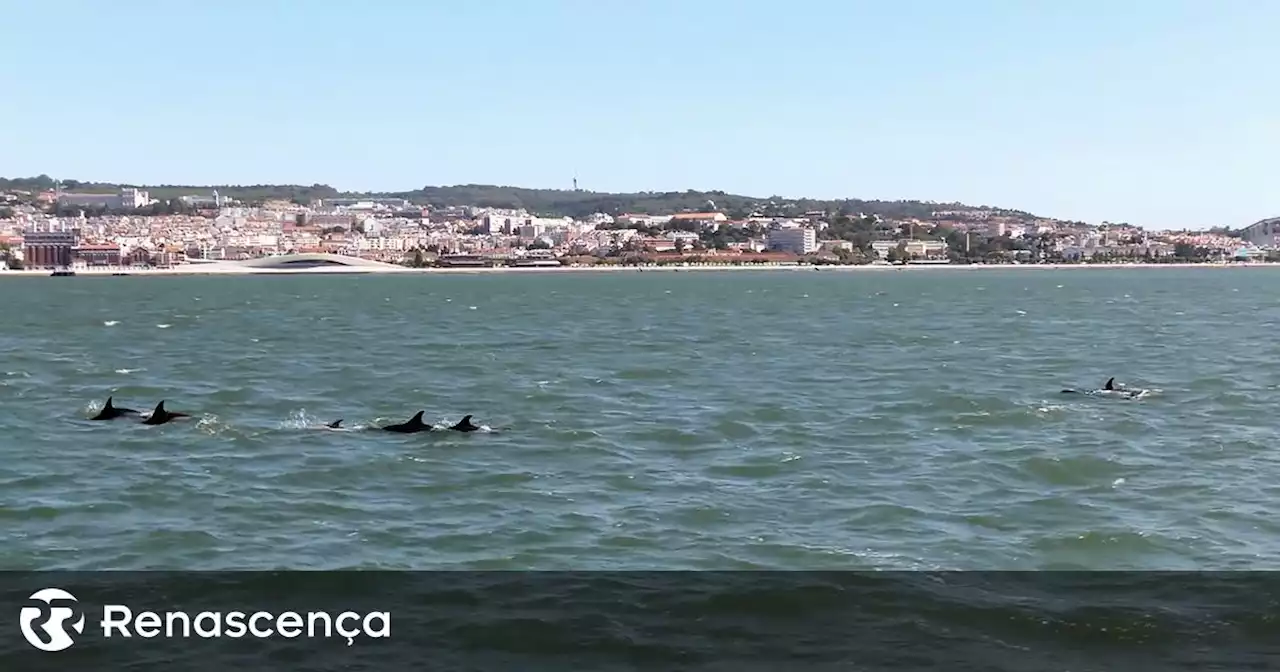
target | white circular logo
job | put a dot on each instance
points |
(58, 606)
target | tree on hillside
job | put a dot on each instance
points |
(1189, 252)
(550, 202)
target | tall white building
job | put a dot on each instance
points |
(798, 240)
(127, 199)
(134, 198)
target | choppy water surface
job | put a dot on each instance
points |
(656, 420)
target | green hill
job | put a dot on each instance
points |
(545, 202)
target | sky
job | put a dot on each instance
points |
(1160, 113)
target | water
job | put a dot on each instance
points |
(742, 420)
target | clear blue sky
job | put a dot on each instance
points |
(1162, 113)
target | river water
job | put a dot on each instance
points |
(666, 421)
(764, 420)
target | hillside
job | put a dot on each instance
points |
(545, 202)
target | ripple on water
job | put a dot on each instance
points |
(907, 420)
(1081, 470)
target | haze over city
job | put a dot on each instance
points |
(1154, 113)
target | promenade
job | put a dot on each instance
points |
(207, 270)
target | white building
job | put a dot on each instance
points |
(364, 203)
(703, 220)
(127, 199)
(800, 240)
(926, 248)
(202, 201)
(382, 244)
(134, 198)
(644, 220)
(921, 249)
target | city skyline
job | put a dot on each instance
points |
(1091, 112)
(209, 193)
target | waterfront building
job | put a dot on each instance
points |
(139, 256)
(798, 240)
(49, 249)
(106, 254)
(926, 248)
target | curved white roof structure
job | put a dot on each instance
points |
(315, 260)
(298, 263)
(1267, 225)
(1264, 232)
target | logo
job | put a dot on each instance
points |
(45, 622)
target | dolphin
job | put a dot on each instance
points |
(161, 416)
(336, 424)
(1109, 390)
(412, 425)
(110, 412)
(464, 425)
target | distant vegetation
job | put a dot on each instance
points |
(544, 202)
(256, 193)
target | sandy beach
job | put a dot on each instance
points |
(200, 269)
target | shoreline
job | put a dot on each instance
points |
(206, 271)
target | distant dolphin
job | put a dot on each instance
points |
(110, 412)
(464, 425)
(336, 424)
(161, 416)
(1109, 390)
(413, 425)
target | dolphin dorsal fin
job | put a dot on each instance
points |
(466, 420)
(417, 418)
(335, 424)
(160, 407)
(1111, 384)
(108, 404)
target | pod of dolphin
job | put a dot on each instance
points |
(160, 416)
